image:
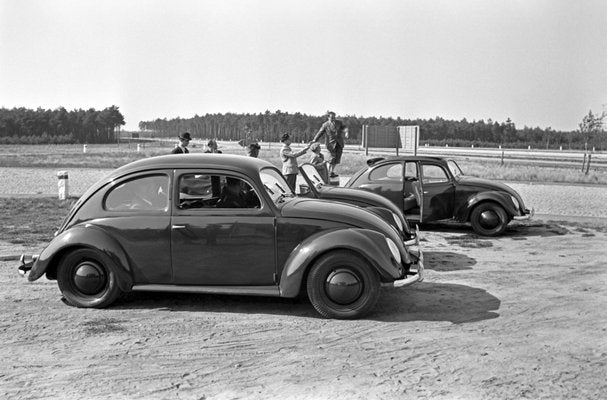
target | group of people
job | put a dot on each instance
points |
(334, 132)
(184, 141)
(332, 129)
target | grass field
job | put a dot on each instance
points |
(113, 156)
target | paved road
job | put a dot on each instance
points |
(553, 199)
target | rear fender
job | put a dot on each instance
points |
(376, 252)
(83, 236)
(501, 198)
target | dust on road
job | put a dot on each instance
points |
(520, 316)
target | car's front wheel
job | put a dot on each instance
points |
(86, 281)
(342, 285)
(489, 219)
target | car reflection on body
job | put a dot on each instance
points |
(431, 189)
(164, 224)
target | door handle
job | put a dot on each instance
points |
(178, 226)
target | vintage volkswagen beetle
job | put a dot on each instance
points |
(431, 189)
(221, 224)
(317, 188)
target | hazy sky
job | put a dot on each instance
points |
(541, 63)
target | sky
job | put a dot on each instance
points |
(539, 63)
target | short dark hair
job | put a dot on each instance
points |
(285, 136)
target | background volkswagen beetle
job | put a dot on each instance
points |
(221, 224)
(432, 189)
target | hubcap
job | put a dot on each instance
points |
(489, 219)
(89, 277)
(343, 286)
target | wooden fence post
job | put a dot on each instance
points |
(588, 165)
(584, 162)
(502, 157)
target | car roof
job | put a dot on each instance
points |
(377, 160)
(248, 165)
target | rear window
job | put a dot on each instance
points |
(387, 172)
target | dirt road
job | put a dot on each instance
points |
(521, 316)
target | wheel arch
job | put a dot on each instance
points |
(84, 237)
(499, 198)
(303, 257)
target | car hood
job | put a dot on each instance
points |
(360, 196)
(339, 212)
(486, 184)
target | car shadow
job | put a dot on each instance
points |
(516, 230)
(446, 261)
(422, 302)
(454, 303)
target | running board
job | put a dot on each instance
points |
(273, 290)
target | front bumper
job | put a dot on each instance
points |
(416, 272)
(528, 214)
(26, 266)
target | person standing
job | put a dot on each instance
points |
(212, 147)
(182, 147)
(334, 140)
(289, 160)
(318, 161)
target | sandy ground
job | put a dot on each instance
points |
(520, 316)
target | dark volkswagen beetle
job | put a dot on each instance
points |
(221, 224)
(318, 189)
(432, 189)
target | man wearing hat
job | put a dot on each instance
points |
(182, 147)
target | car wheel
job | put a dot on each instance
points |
(489, 219)
(86, 281)
(342, 285)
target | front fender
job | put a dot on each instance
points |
(87, 236)
(501, 198)
(376, 252)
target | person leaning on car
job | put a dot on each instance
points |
(334, 140)
(182, 147)
(289, 160)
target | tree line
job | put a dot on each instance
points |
(437, 131)
(59, 126)
(22, 125)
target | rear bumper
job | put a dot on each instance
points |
(528, 214)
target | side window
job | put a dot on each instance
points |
(149, 193)
(411, 170)
(216, 191)
(434, 174)
(387, 172)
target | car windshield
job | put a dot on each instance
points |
(456, 171)
(276, 186)
(312, 173)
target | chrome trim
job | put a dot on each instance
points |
(528, 215)
(410, 280)
(236, 290)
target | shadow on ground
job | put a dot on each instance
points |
(515, 231)
(447, 261)
(422, 302)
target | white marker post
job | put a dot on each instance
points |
(62, 185)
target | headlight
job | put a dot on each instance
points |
(398, 222)
(394, 250)
(515, 201)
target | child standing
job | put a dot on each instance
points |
(318, 161)
(289, 160)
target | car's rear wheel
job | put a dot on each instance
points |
(342, 285)
(86, 280)
(489, 219)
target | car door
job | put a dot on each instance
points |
(386, 180)
(438, 191)
(212, 245)
(137, 214)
